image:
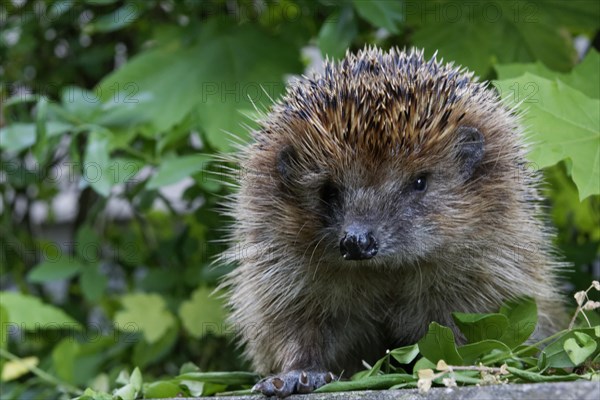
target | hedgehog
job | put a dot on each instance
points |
(385, 193)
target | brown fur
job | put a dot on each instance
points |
(369, 125)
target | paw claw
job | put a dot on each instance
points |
(278, 383)
(304, 378)
(329, 377)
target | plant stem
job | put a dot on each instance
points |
(577, 311)
(42, 374)
(525, 349)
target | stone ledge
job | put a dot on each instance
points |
(537, 391)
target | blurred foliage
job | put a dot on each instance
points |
(112, 109)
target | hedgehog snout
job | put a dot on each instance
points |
(358, 243)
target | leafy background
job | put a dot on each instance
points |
(111, 111)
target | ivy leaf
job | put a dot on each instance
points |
(472, 352)
(555, 356)
(161, 390)
(145, 313)
(382, 13)
(406, 354)
(529, 376)
(438, 344)
(202, 314)
(563, 123)
(580, 347)
(522, 320)
(29, 313)
(478, 327)
(132, 388)
(378, 382)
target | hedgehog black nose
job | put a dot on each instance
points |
(358, 244)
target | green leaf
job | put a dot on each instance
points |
(478, 327)
(406, 354)
(381, 13)
(125, 169)
(522, 320)
(337, 33)
(479, 35)
(174, 170)
(231, 65)
(53, 270)
(378, 382)
(438, 344)
(78, 362)
(89, 394)
(126, 392)
(19, 136)
(568, 211)
(376, 368)
(87, 244)
(114, 21)
(528, 376)
(41, 119)
(4, 323)
(471, 353)
(564, 123)
(64, 358)
(97, 163)
(221, 378)
(145, 354)
(580, 347)
(132, 388)
(92, 282)
(423, 363)
(29, 313)
(136, 379)
(584, 77)
(161, 390)
(577, 15)
(203, 314)
(188, 367)
(145, 313)
(555, 356)
(81, 105)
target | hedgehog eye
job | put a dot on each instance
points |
(420, 184)
(329, 193)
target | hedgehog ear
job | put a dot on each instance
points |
(285, 163)
(471, 149)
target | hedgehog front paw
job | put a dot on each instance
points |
(293, 382)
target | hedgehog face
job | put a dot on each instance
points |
(375, 207)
